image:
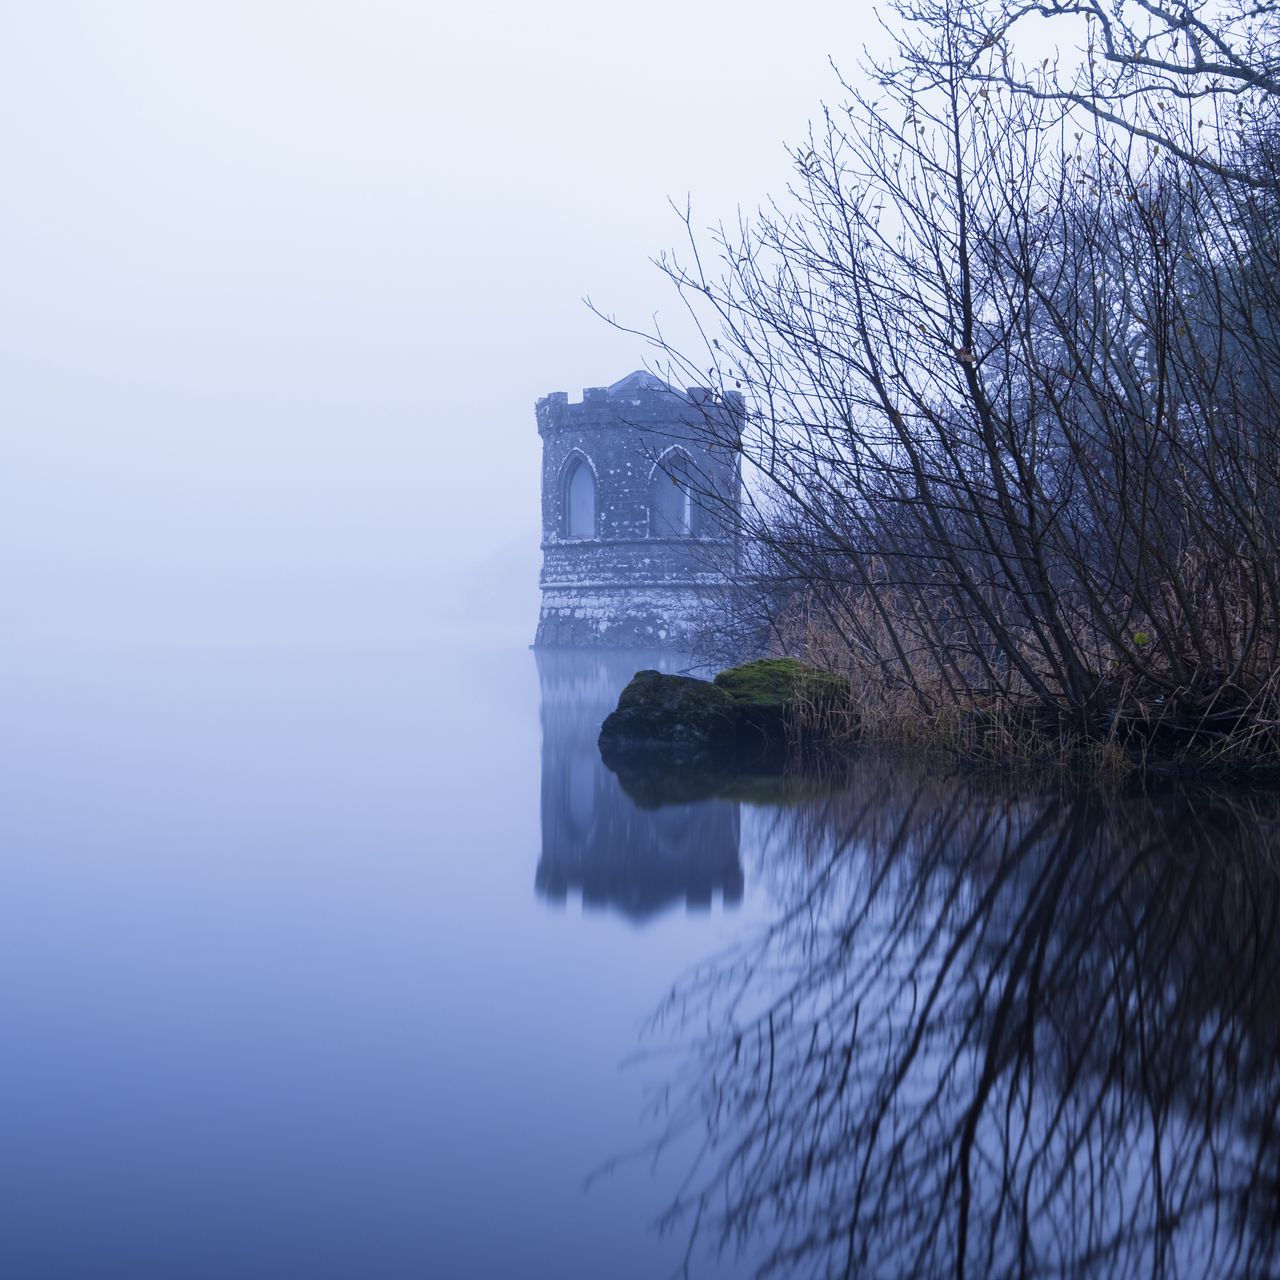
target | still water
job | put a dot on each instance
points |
(358, 962)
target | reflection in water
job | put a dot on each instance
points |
(594, 837)
(989, 1034)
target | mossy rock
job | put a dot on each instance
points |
(751, 713)
(676, 714)
(769, 692)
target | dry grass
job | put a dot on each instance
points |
(908, 695)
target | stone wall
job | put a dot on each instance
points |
(626, 586)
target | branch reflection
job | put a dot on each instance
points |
(993, 1034)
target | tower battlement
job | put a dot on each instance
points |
(640, 493)
(637, 400)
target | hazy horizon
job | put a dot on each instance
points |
(283, 283)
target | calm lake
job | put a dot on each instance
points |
(358, 962)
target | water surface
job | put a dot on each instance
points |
(354, 960)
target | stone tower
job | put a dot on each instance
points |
(640, 486)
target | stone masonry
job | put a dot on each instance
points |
(640, 486)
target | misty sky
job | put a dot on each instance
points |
(283, 279)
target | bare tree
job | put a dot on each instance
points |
(1188, 76)
(1012, 436)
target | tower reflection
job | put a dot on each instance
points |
(595, 839)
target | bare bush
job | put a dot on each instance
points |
(1012, 429)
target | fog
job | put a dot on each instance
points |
(282, 281)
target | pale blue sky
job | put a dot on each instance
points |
(275, 274)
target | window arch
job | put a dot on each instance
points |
(579, 499)
(672, 511)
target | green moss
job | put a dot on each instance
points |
(765, 682)
(767, 692)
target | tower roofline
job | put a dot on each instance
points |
(638, 391)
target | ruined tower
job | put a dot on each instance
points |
(640, 486)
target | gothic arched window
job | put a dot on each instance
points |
(672, 510)
(579, 500)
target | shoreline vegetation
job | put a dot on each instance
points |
(1009, 350)
(765, 729)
